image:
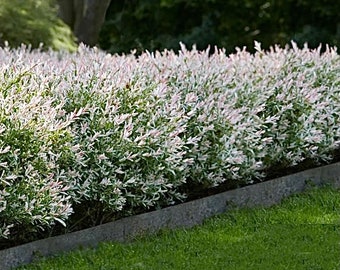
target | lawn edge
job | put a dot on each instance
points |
(183, 215)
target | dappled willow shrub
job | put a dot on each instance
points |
(127, 132)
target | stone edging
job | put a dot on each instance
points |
(183, 215)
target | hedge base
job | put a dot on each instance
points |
(184, 215)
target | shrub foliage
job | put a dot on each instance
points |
(90, 130)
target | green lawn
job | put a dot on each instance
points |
(301, 233)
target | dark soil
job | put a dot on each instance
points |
(271, 173)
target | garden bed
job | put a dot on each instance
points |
(183, 215)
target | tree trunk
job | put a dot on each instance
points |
(66, 12)
(85, 17)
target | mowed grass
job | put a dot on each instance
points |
(303, 232)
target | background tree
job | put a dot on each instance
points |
(159, 24)
(85, 18)
(34, 22)
(123, 25)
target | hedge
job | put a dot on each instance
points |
(90, 134)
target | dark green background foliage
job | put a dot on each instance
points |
(34, 22)
(159, 24)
